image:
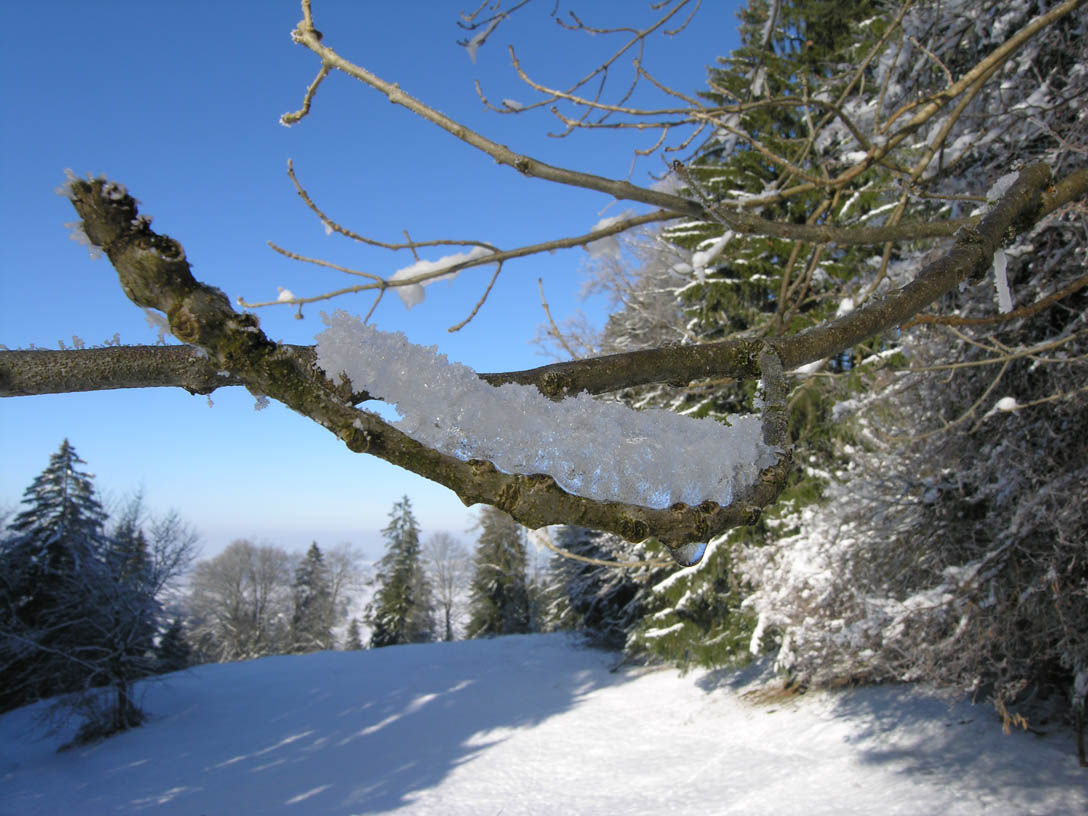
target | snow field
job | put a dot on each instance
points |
(531, 724)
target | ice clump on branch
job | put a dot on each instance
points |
(601, 450)
(608, 246)
(412, 293)
(1001, 282)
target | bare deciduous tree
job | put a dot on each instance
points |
(449, 568)
(240, 602)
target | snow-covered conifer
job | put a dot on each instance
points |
(311, 623)
(401, 611)
(602, 601)
(353, 641)
(950, 549)
(499, 603)
(52, 559)
(77, 614)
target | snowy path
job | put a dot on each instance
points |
(529, 725)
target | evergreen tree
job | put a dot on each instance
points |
(311, 624)
(401, 610)
(52, 560)
(499, 602)
(76, 613)
(603, 601)
(353, 641)
(173, 652)
(951, 549)
(130, 561)
(735, 285)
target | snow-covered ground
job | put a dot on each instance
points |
(531, 724)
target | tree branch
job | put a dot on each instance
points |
(154, 273)
(51, 372)
(23, 373)
(745, 223)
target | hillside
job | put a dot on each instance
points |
(530, 724)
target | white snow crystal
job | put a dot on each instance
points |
(650, 634)
(759, 82)
(1006, 404)
(413, 293)
(1001, 282)
(610, 246)
(1000, 187)
(80, 237)
(602, 450)
(478, 39)
(284, 294)
(709, 250)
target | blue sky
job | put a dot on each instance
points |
(180, 102)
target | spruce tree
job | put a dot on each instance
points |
(311, 623)
(173, 652)
(401, 609)
(499, 602)
(604, 602)
(759, 286)
(353, 642)
(77, 613)
(52, 562)
(130, 562)
(950, 546)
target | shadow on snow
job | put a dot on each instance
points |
(331, 733)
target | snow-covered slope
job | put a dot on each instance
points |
(530, 724)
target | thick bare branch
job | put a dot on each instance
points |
(47, 372)
(23, 373)
(154, 274)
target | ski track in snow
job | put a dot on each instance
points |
(531, 725)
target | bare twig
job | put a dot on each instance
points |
(546, 540)
(558, 335)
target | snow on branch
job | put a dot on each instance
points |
(155, 273)
(601, 450)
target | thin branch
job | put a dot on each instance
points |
(740, 222)
(496, 256)
(289, 119)
(546, 540)
(483, 298)
(1015, 314)
(334, 226)
(558, 335)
